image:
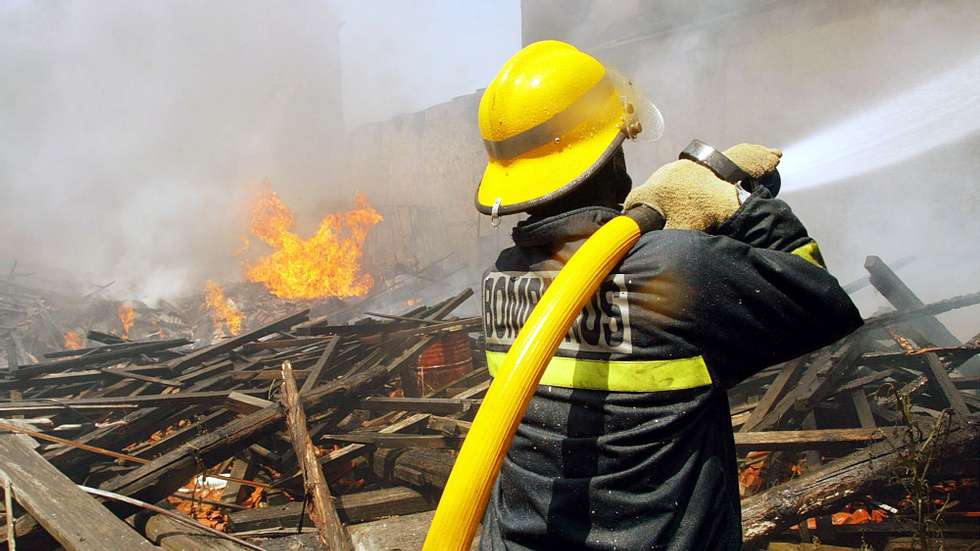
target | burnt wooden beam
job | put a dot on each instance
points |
(126, 374)
(123, 402)
(242, 468)
(819, 380)
(448, 425)
(351, 450)
(860, 472)
(903, 299)
(382, 440)
(957, 354)
(863, 409)
(175, 536)
(283, 343)
(13, 409)
(118, 347)
(436, 328)
(934, 309)
(440, 406)
(182, 436)
(360, 329)
(228, 345)
(352, 508)
(241, 402)
(953, 396)
(423, 468)
(801, 440)
(32, 370)
(72, 377)
(106, 338)
(75, 519)
(940, 381)
(775, 391)
(330, 529)
(316, 372)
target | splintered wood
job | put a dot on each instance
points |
(314, 430)
(324, 514)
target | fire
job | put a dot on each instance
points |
(327, 264)
(73, 340)
(222, 310)
(126, 315)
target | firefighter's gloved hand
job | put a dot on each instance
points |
(688, 195)
(691, 197)
(755, 160)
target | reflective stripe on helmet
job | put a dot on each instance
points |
(552, 130)
(619, 375)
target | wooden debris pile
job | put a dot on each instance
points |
(203, 431)
(868, 440)
(311, 431)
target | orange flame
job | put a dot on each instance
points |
(325, 265)
(126, 315)
(222, 310)
(73, 340)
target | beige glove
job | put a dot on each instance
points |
(691, 197)
(754, 160)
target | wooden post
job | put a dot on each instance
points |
(324, 514)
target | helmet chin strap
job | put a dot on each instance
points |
(495, 214)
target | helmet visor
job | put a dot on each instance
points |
(643, 120)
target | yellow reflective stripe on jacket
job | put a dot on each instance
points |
(811, 253)
(619, 375)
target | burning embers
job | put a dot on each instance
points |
(74, 340)
(327, 264)
(223, 311)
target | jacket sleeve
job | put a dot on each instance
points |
(767, 223)
(761, 293)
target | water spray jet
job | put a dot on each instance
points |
(942, 110)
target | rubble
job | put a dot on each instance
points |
(862, 441)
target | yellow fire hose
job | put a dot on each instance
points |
(475, 471)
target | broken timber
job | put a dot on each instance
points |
(78, 521)
(820, 491)
(331, 531)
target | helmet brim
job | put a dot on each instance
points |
(532, 180)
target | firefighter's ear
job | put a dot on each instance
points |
(689, 196)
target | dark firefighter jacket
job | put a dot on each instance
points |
(628, 443)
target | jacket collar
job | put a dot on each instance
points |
(560, 228)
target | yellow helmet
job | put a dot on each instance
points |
(549, 120)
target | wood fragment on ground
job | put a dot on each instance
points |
(324, 514)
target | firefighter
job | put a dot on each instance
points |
(627, 443)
